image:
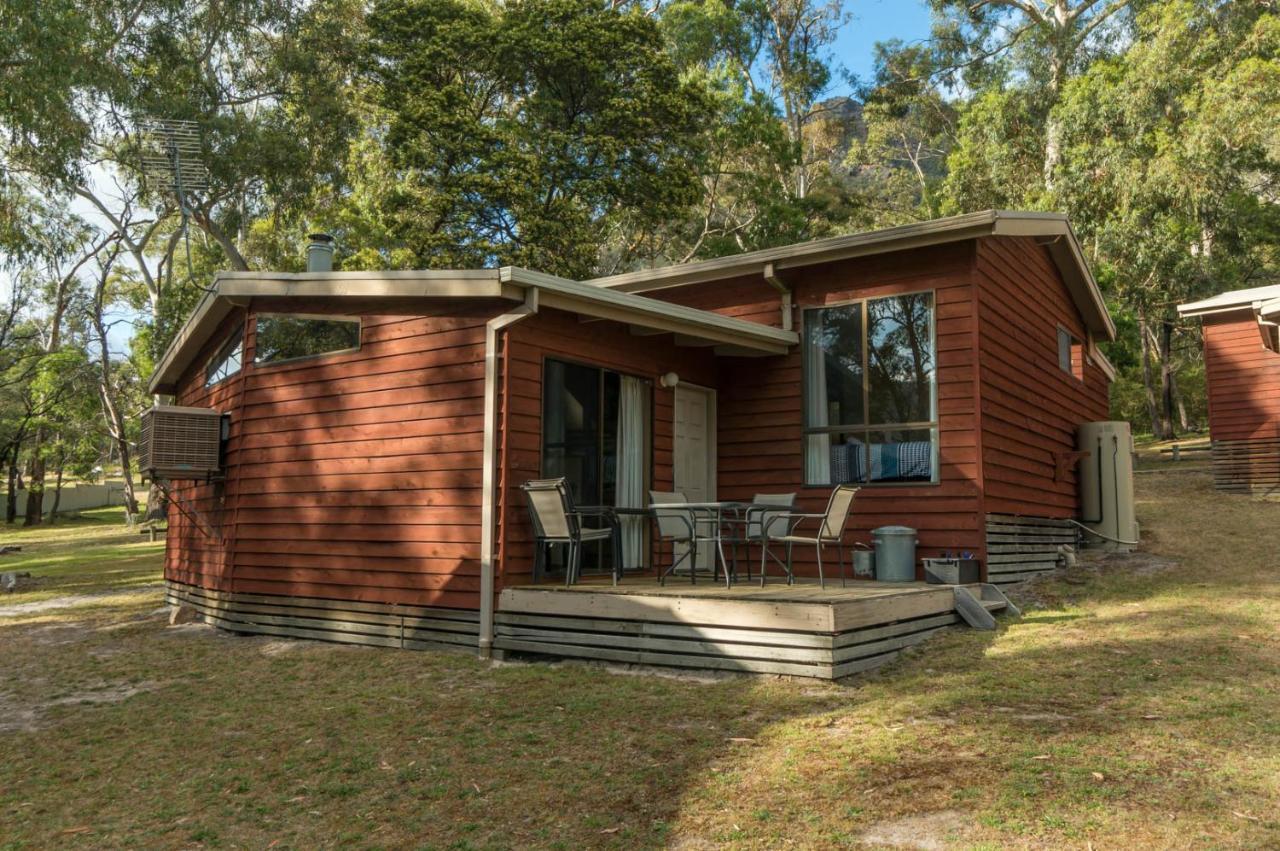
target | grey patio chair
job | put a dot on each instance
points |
(556, 520)
(830, 531)
(680, 526)
(763, 515)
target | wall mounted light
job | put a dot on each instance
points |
(669, 380)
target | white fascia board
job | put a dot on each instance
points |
(236, 288)
(591, 300)
(970, 225)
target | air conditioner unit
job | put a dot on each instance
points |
(180, 443)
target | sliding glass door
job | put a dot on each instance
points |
(595, 433)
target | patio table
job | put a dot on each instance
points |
(713, 517)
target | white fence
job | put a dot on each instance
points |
(78, 497)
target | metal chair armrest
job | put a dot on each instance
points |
(794, 520)
(676, 514)
(607, 512)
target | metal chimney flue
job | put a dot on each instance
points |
(320, 253)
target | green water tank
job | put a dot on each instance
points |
(895, 553)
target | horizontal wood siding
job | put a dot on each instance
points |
(1242, 377)
(1031, 408)
(1243, 383)
(555, 334)
(198, 543)
(352, 476)
(1020, 548)
(790, 630)
(340, 621)
(761, 405)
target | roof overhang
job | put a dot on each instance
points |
(1052, 228)
(729, 336)
(1257, 299)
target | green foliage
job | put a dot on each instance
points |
(583, 137)
(997, 159)
(900, 163)
(1157, 171)
(523, 135)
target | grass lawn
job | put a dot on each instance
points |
(1134, 705)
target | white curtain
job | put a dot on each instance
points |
(633, 431)
(817, 453)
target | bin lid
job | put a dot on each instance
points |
(893, 530)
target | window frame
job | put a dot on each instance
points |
(1074, 346)
(220, 356)
(324, 317)
(933, 426)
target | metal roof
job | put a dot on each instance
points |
(617, 297)
(1233, 300)
(701, 327)
(1063, 247)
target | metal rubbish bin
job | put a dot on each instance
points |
(895, 553)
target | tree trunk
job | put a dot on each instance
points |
(119, 438)
(1052, 126)
(1184, 421)
(1052, 150)
(57, 494)
(107, 394)
(35, 481)
(1148, 385)
(11, 496)
(1166, 377)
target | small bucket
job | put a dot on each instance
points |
(864, 564)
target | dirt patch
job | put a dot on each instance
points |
(1137, 563)
(14, 610)
(57, 634)
(927, 832)
(1037, 592)
(280, 646)
(18, 715)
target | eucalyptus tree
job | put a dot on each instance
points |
(777, 139)
(263, 84)
(1017, 55)
(66, 245)
(118, 390)
(1171, 168)
(910, 127)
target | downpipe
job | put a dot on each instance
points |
(489, 475)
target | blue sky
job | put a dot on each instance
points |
(876, 20)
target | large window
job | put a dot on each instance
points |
(228, 360)
(595, 433)
(579, 430)
(281, 338)
(871, 392)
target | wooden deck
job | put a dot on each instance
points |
(801, 630)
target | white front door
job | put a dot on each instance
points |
(694, 471)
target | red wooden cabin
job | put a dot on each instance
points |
(382, 423)
(1242, 373)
